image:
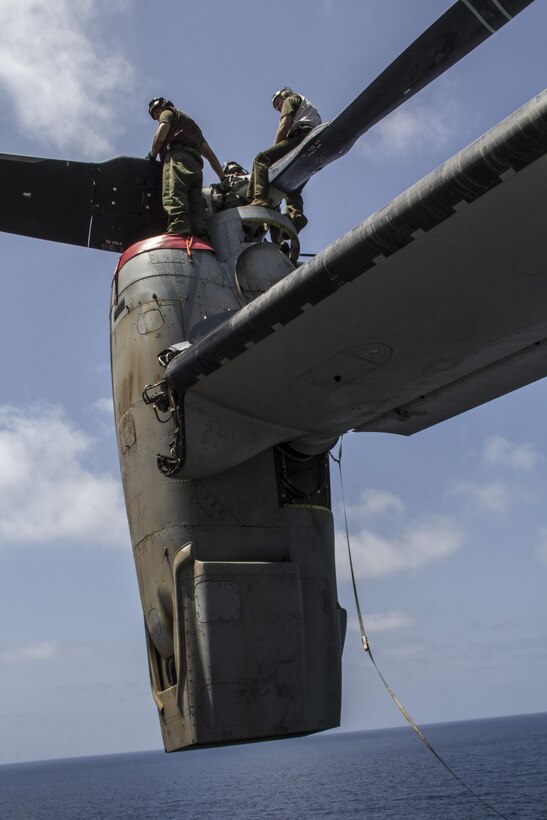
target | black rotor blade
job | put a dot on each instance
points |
(107, 205)
(110, 205)
(460, 30)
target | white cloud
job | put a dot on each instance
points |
(374, 503)
(493, 496)
(498, 496)
(541, 547)
(427, 124)
(64, 80)
(105, 407)
(39, 651)
(420, 543)
(500, 452)
(48, 491)
(387, 621)
(409, 650)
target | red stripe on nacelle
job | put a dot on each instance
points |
(165, 240)
(154, 243)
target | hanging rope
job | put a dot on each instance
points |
(366, 646)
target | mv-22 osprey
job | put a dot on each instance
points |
(234, 373)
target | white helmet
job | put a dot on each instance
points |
(283, 92)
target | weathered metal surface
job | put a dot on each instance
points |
(236, 572)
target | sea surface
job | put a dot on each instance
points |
(380, 774)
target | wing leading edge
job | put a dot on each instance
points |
(432, 306)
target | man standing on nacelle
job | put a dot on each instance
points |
(181, 145)
(298, 118)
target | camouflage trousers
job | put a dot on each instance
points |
(182, 198)
(259, 183)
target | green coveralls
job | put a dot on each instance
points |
(181, 190)
(182, 176)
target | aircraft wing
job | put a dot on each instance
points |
(432, 306)
(463, 27)
(107, 205)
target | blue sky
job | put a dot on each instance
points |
(448, 527)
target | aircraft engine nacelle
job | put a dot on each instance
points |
(236, 569)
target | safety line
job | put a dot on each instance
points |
(478, 16)
(366, 646)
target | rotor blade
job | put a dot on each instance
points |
(460, 30)
(108, 205)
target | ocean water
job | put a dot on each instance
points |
(377, 774)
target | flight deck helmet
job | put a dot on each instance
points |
(158, 102)
(283, 92)
(233, 168)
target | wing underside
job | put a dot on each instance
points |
(432, 306)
